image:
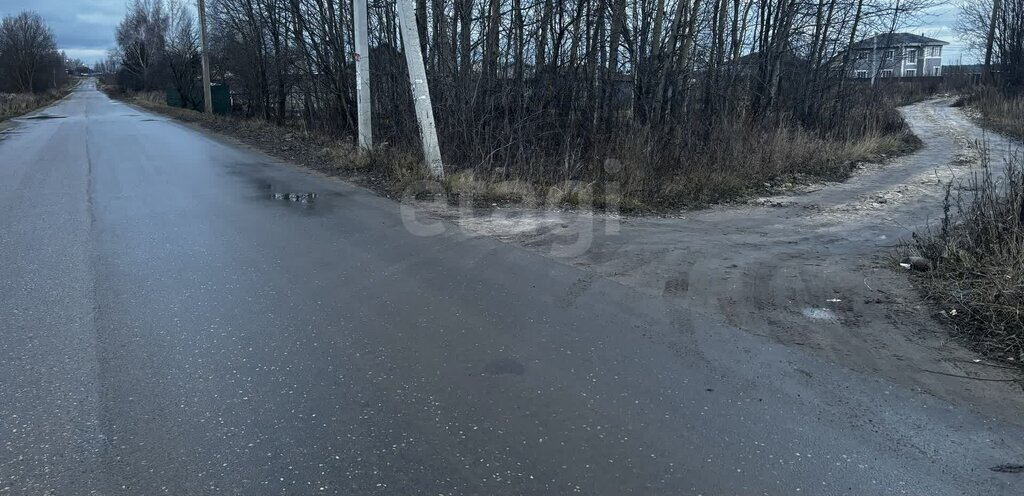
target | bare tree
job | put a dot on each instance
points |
(546, 88)
(141, 45)
(29, 60)
(995, 28)
(182, 53)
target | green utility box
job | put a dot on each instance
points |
(221, 98)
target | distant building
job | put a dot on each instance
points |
(896, 55)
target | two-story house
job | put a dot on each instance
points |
(897, 55)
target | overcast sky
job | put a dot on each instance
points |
(940, 23)
(85, 28)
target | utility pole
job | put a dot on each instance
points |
(362, 56)
(420, 87)
(207, 93)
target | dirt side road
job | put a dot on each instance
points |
(807, 270)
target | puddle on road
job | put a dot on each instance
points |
(305, 198)
(821, 314)
(283, 194)
(43, 117)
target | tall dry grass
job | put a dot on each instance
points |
(679, 164)
(17, 104)
(998, 109)
(978, 259)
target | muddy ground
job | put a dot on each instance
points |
(813, 269)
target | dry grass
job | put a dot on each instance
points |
(18, 104)
(750, 160)
(681, 164)
(977, 256)
(150, 97)
(998, 110)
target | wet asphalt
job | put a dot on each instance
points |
(181, 315)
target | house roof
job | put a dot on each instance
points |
(754, 58)
(897, 39)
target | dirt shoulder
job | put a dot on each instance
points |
(810, 270)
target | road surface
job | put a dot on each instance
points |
(181, 315)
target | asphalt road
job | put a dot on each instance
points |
(179, 316)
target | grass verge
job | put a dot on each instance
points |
(974, 262)
(17, 104)
(997, 110)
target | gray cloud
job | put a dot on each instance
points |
(83, 28)
(940, 23)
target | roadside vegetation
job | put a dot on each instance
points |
(693, 101)
(972, 265)
(999, 109)
(976, 259)
(33, 73)
(17, 104)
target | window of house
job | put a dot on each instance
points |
(887, 73)
(910, 73)
(937, 71)
(889, 54)
(861, 55)
(862, 74)
(935, 51)
(912, 55)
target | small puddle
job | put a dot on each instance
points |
(44, 117)
(821, 314)
(304, 198)
(276, 193)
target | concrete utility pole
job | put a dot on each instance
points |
(207, 93)
(362, 55)
(420, 87)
